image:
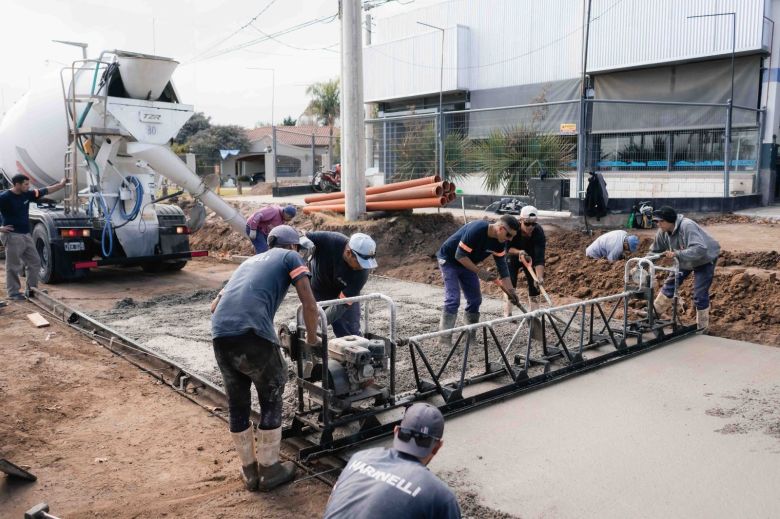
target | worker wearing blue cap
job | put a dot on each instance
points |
(263, 220)
(612, 245)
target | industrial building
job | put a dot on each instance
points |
(665, 84)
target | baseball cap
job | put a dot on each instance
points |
(290, 211)
(282, 235)
(421, 426)
(364, 248)
(529, 213)
(666, 214)
(633, 242)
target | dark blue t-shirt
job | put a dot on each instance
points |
(386, 483)
(254, 292)
(15, 209)
(472, 241)
(534, 245)
(332, 278)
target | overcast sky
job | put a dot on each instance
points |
(188, 31)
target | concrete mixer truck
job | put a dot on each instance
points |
(106, 128)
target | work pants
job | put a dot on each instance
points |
(260, 242)
(702, 280)
(20, 253)
(514, 264)
(248, 359)
(348, 323)
(457, 278)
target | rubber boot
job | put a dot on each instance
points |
(662, 305)
(272, 473)
(508, 307)
(245, 447)
(447, 323)
(472, 318)
(703, 319)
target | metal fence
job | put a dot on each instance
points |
(299, 154)
(644, 149)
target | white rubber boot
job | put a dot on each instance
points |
(508, 307)
(272, 473)
(703, 319)
(245, 447)
(662, 304)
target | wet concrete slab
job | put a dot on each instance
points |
(689, 430)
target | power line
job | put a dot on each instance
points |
(223, 40)
(271, 37)
(303, 25)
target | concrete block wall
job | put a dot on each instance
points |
(689, 184)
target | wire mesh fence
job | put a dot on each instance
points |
(645, 149)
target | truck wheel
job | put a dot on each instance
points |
(175, 266)
(40, 237)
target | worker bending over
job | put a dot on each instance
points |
(527, 248)
(263, 220)
(396, 482)
(340, 268)
(458, 258)
(695, 250)
(247, 351)
(612, 245)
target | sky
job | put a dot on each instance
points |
(192, 32)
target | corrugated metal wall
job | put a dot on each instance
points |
(519, 42)
(632, 33)
(510, 42)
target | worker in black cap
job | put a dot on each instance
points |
(395, 482)
(695, 250)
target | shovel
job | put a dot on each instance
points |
(535, 324)
(528, 265)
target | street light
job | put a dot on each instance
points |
(730, 107)
(75, 44)
(441, 89)
(273, 87)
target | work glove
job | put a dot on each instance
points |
(524, 256)
(512, 296)
(307, 248)
(252, 234)
(539, 283)
(486, 275)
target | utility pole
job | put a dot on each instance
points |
(353, 140)
(440, 116)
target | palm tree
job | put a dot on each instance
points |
(325, 106)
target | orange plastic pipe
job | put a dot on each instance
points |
(450, 197)
(409, 193)
(388, 205)
(376, 190)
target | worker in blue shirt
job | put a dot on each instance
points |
(247, 351)
(459, 257)
(15, 234)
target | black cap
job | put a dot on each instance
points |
(424, 419)
(666, 214)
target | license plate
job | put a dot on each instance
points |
(74, 246)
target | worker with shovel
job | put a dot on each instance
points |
(459, 257)
(695, 250)
(526, 251)
(247, 351)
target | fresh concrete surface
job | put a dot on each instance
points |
(640, 438)
(770, 212)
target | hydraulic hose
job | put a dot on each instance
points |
(139, 193)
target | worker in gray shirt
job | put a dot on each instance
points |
(612, 245)
(395, 482)
(247, 351)
(695, 250)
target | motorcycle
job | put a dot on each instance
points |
(327, 181)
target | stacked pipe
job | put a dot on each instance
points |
(401, 196)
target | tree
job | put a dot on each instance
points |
(207, 143)
(196, 123)
(288, 121)
(325, 107)
(510, 156)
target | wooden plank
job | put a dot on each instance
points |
(38, 320)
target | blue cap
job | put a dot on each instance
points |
(290, 211)
(633, 242)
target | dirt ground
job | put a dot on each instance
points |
(745, 293)
(105, 440)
